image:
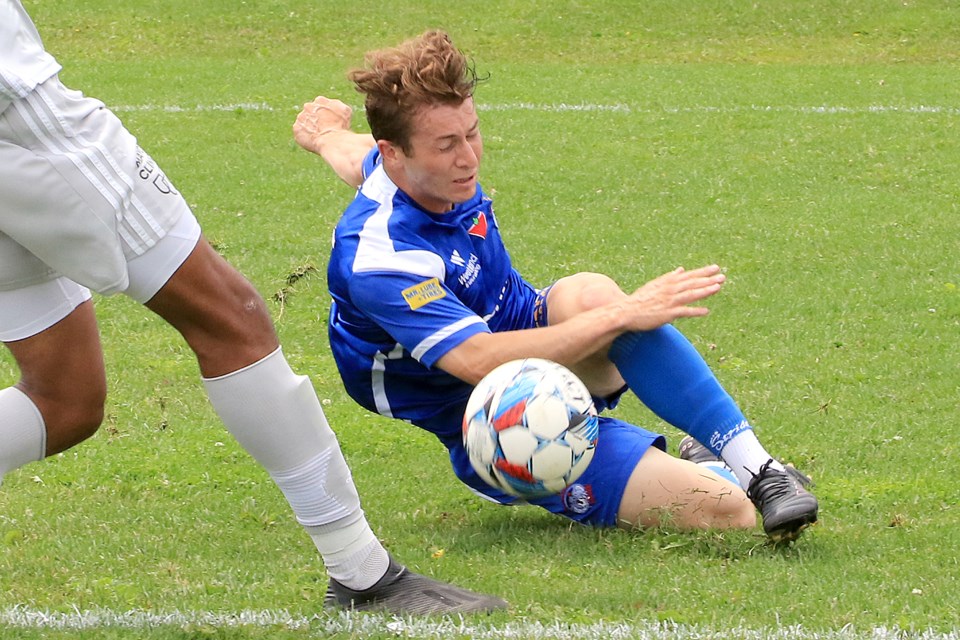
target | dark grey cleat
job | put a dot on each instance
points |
(784, 503)
(692, 450)
(403, 592)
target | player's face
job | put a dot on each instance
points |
(445, 151)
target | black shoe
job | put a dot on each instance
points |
(403, 592)
(783, 501)
(692, 450)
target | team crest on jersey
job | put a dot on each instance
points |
(479, 228)
(420, 294)
(577, 498)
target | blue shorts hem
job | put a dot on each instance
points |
(594, 499)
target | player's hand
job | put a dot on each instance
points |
(671, 296)
(319, 118)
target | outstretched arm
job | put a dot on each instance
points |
(669, 297)
(323, 127)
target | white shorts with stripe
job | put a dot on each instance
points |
(80, 205)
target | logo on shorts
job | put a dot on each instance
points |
(420, 294)
(149, 171)
(577, 498)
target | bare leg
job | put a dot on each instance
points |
(664, 490)
(577, 293)
(220, 314)
(62, 373)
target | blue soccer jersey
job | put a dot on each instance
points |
(408, 286)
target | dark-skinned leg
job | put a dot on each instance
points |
(61, 371)
(59, 399)
(218, 312)
(276, 416)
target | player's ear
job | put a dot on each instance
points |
(389, 151)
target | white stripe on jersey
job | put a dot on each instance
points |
(377, 379)
(11, 87)
(447, 331)
(375, 250)
(50, 130)
(23, 62)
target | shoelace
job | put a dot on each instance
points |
(782, 484)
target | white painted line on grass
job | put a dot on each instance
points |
(195, 108)
(362, 625)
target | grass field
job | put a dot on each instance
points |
(808, 147)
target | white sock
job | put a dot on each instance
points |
(359, 565)
(23, 436)
(276, 416)
(351, 553)
(745, 455)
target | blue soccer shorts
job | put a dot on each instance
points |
(594, 499)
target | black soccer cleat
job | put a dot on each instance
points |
(402, 592)
(691, 449)
(784, 503)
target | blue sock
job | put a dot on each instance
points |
(671, 377)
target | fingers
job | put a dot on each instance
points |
(324, 113)
(318, 117)
(698, 283)
(708, 271)
(689, 312)
(334, 106)
(671, 296)
(689, 296)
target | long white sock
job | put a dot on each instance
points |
(23, 436)
(276, 416)
(745, 455)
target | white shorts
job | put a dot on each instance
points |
(81, 207)
(78, 197)
(29, 310)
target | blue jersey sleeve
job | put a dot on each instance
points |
(419, 312)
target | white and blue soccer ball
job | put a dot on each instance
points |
(530, 428)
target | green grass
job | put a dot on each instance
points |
(786, 141)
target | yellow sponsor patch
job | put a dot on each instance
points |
(420, 294)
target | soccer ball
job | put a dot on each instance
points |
(530, 428)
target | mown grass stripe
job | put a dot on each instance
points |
(587, 107)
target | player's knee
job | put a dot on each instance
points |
(732, 510)
(85, 423)
(73, 416)
(246, 315)
(745, 517)
(232, 325)
(236, 333)
(86, 414)
(581, 292)
(597, 289)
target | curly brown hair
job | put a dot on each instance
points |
(398, 81)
